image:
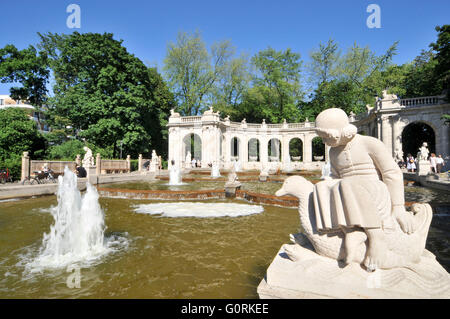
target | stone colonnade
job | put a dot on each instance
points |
(391, 115)
(218, 143)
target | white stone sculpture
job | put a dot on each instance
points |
(326, 171)
(357, 218)
(398, 155)
(351, 245)
(215, 171)
(154, 163)
(232, 179)
(174, 114)
(422, 155)
(423, 165)
(188, 157)
(264, 174)
(88, 159)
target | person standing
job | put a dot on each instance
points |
(410, 163)
(439, 163)
(433, 163)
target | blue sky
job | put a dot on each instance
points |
(252, 25)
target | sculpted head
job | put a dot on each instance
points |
(333, 126)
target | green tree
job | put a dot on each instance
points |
(228, 91)
(192, 72)
(18, 134)
(67, 151)
(324, 62)
(442, 48)
(420, 77)
(27, 67)
(108, 95)
(276, 91)
(354, 80)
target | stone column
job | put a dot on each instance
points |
(244, 151)
(264, 154)
(98, 162)
(285, 150)
(397, 129)
(140, 163)
(386, 133)
(129, 163)
(25, 166)
(442, 145)
(227, 149)
(327, 153)
(307, 149)
(378, 128)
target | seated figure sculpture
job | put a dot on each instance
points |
(362, 205)
(88, 160)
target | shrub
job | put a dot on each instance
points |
(66, 151)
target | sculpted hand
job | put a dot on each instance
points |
(405, 219)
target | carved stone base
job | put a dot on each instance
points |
(423, 168)
(314, 276)
(230, 189)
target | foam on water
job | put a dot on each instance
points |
(201, 210)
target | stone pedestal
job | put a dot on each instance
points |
(314, 276)
(423, 168)
(153, 166)
(230, 189)
(25, 166)
(92, 174)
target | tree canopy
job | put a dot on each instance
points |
(27, 67)
(106, 97)
(107, 94)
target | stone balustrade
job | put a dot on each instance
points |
(421, 101)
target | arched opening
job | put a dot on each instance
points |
(274, 150)
(235, 143)
(413, 136)
(192, 148)
(296, 149)
(253, 150)
(318, 149)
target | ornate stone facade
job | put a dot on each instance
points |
(387, 120)
(222, 141)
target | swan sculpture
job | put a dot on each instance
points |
(403, 248)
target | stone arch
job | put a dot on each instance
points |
(296, 149)
(274, 150)
(318, 149)
(414, 134)
(254, 150)
(235, 145)
(192, 144)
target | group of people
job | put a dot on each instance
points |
(436, 162)
(195, 163)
